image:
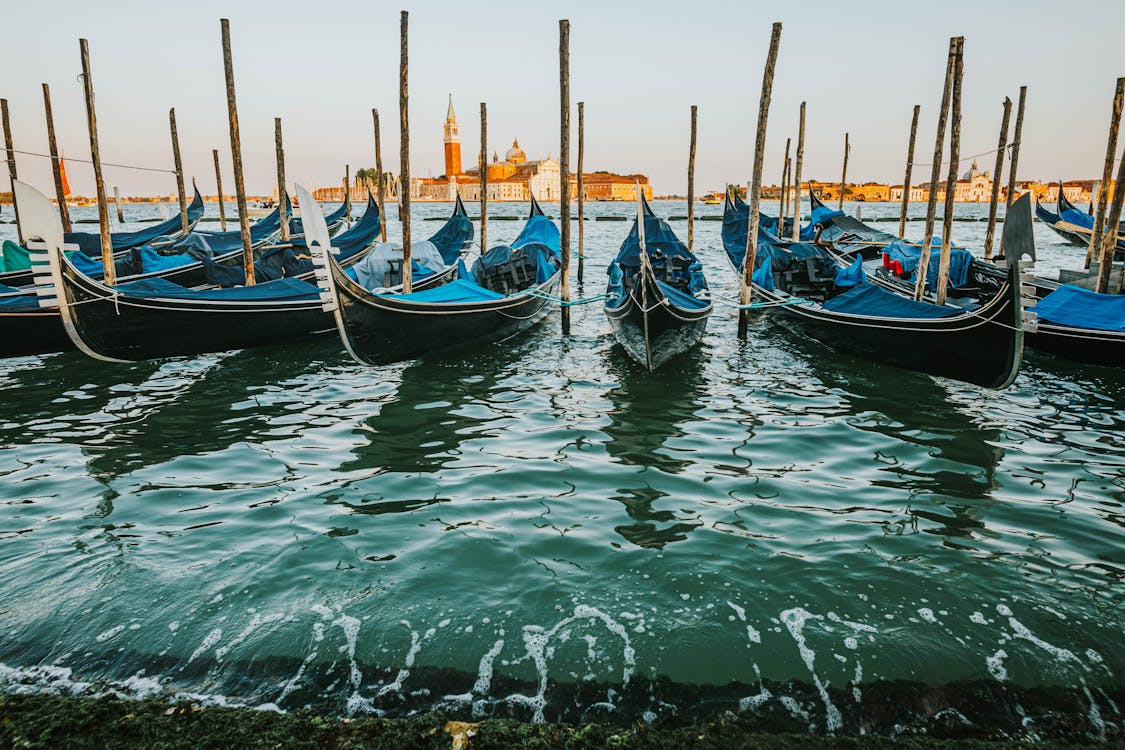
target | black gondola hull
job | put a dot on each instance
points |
(379, 330)
(26, 333)
(656, 335)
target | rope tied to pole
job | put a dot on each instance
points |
(89, 161)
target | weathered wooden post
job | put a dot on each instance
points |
(56, 170)
(1017, 136)
(219, 187)
(797, 177)
(117, 204)
(1109, 239)
(844, 174)
(784, 183)
(690, 181)
(379, 188)
(581, 195)
(1107, 173)
(404, 153)
(483, 160)
(11, 165)
(180, 192)
(951, 180)
(935, 173)
(754, 195)
(109, 275)
(564, 167)
(909, 170)
(348, 193)
(997, 169)
(282, 208)
(236, 155)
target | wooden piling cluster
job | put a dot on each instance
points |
(951, 179)
(935, 171)
(404, 150)
(564, 167)
(754, 195)
(1001, 145)
(236, 157)
(909, 171)
(56, 170)
(1107, 173)
(109, 276)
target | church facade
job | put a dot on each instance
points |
(516, 178)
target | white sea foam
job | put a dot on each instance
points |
(256, 622)
(794, 620)
(209, 641)
(1062, 654)
(978, 618)
(927, 614)
(106, 635)
(995, 664)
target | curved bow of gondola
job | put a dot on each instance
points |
(91, 243)
(657, 300)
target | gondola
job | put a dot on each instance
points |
(657, 300)
(819, 297)
(1073, 225)
(154, 318)
(826, 226)
(89, 243)
(507, 292)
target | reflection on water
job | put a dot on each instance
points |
(541, 528)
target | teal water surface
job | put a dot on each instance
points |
(541, 529)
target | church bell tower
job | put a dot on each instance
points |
(452, 142)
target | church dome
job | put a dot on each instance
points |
(515, 154)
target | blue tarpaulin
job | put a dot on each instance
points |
(14, 258)
(874, 301)
(909, 256)
(457, 291)
(153, 261)
(763, 274)
(1078, 218)
(91, 242)
(682, 299)
(671, 260)
(851, 275)
(289, 290)
(1080, 308)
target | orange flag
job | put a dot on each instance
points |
(62, 173)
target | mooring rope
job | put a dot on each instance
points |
(564, 303)
(104, 163)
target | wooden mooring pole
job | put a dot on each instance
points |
(404, 151)
(784, 183)
(691, 181)
(109, 275)
(935, 172)
(844, 174)
(180, 192)
(754, 195)
(483, 161)
(797, 176)
(11, 164)
(236, 156)
(117, 205)
(951, 179)
(564, 167)
(380, 187)
(1107, 174)
(909, 171)
(1017, 139)
(282, 209)
(582, 193)
(56, 169)
(1002, 144)
(1109, 237)
(348, 194)
(219, 187)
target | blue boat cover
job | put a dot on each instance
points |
(152, 261)
(453, 234)
(333, 220)
(542, 230)
(361, 235)
(91, 242)
(26, 302)
(260, 231)
(282, 290)
(874, 301)
(1081, 308)
(851, 275)
(537, 252)
(86, 265)
(14, 258)
(457, 291)
(908, 255)
(763, 275)
(664, 249)
(1078, 218)
(682, 299)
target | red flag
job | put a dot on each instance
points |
(62, 174)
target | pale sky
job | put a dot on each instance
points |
(638, 66)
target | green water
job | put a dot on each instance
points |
(490, 532)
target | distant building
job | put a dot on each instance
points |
(516, 177)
